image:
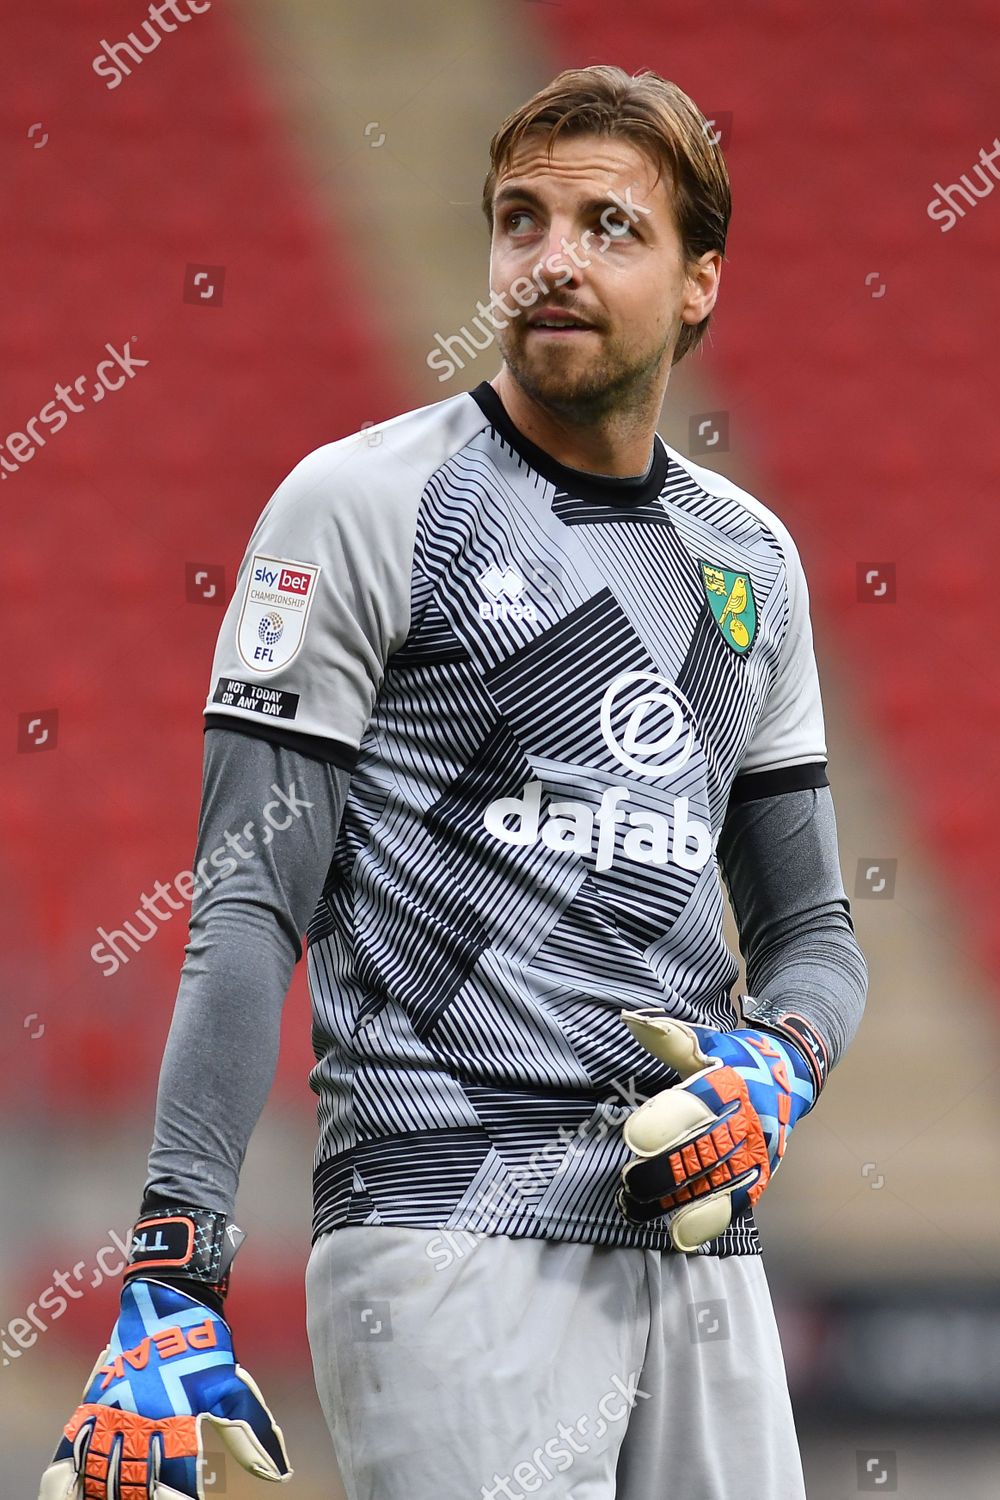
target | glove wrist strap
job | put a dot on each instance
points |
(792, 1027)
(180, 1240)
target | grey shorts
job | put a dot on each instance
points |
(460, 1367)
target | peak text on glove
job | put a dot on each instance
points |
(780, 1075)
(168, 1342)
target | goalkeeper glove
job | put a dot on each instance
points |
(708, 1146)
(168, 1371)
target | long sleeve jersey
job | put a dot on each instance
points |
(520, 724)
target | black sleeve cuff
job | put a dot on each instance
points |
(334, 752)
(751, 785)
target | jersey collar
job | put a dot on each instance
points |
(594, 488)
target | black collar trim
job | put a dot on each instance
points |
(599, 491)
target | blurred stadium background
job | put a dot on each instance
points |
(278, 211)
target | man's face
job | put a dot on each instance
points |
(586, 232)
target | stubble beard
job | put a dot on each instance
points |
(613, 382)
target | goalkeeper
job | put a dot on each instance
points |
(526, 682)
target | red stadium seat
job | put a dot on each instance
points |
(827, 357)
(171, 469)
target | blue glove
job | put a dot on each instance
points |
(709, 1145)
(168, 1370)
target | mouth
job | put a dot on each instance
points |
(550, 325)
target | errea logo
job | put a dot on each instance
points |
(505, 589)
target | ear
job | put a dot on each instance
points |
(701, 287)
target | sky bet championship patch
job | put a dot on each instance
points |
(276, 606)
(733, 605)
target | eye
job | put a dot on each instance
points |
(617, 225)
(517, 213)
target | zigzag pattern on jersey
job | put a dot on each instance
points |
(433, 643)
(466, 992)
(460, 1183)
(574, 512)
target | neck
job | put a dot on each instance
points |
(618, 445)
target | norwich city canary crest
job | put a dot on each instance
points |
(733, 605)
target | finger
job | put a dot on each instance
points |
(102, 1360)
(88, 1463)
(673, 1042)
(689, 1226)
(251, 1434)
(740, 1179)
(667, 1120)
(113, 1483)
(710, 1161)
(59, 1482)
(635, 1210)
(154, 1464)
(695, 1225)
(170, 1461)
(249, 1451)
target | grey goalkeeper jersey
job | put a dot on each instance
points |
(548, 690)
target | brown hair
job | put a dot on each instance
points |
(655, 115)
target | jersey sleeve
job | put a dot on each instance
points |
(322, 599)
(248, 914)
(787, 750)
(807, 975)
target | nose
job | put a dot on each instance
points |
(557, 266)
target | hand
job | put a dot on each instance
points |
(710, 1144)
(168, 1370)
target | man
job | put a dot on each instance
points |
(505, 678)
